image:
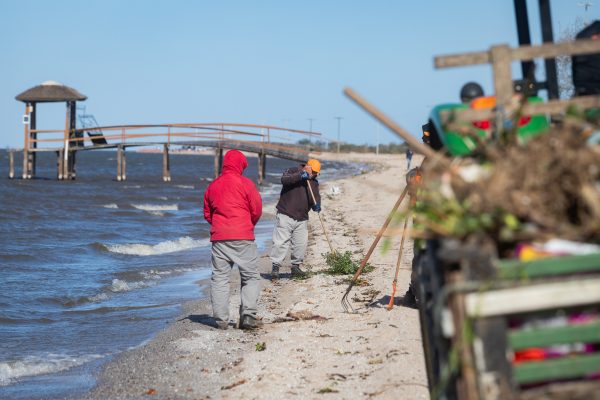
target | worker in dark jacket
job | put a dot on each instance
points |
(291, 229)
(232, 206)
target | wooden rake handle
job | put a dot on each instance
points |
(320, 218)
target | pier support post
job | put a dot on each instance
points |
(120, 163)
(11, 164)
(262, 167)
(218, 161)
(59, 165)
(166, 164)
(71, 166)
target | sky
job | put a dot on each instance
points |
(265, 62)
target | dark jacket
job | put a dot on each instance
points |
(295, 200)
(232, 205)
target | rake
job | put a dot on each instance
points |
(345, 303)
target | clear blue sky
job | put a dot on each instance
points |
(272, 62)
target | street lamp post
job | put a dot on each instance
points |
(338, 133)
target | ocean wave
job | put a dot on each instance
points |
(184, 186)
(170, 246)
(111, 205)
(35, 365)
(123, 286)
(156, 207)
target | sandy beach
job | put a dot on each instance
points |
(373, 353)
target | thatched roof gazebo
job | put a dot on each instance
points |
(50, 92)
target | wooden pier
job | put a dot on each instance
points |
(66, 143)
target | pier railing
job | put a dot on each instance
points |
(260, 139)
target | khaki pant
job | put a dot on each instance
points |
(289, 232)
(224, 255)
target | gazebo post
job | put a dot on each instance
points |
(66, 147)
(72, 135)
(26, 144)
(32, 127)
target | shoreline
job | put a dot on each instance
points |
(342, 354)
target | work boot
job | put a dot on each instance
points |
(249, 322)
(275, 272)
(297, 272)
(223, 325)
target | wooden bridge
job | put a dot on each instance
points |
(264, 140)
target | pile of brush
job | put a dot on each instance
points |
(548, 188)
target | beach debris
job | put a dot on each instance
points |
(302, 315)
(261, 346)
(232, 385)
(150, 392)
(327, 390)
(335, 191)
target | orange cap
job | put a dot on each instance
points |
(314, 164)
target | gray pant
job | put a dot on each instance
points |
(224, 255)
(289, 231)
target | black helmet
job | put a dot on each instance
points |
(470, 91)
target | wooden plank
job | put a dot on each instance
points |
(562, 368)
(551, 50)
(514, 269)
(522, 53)
(503, 86)
(533, 298)
(543, 337)
(458, 60)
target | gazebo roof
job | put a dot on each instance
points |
(50, 91)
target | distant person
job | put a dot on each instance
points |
(409, 154)
(291, 227)
(586, 67)
(232, 206)
(470, 91)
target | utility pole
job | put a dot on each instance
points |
(377, 147)
(338, 133)
(310, 129)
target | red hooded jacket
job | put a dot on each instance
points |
(232, 204)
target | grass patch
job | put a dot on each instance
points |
(342, 264)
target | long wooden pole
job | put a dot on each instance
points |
(321, 218)
(384, 119)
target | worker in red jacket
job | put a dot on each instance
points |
(232, 206)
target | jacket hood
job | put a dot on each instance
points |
(234, 161)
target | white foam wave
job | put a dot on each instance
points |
(35, 365)
(185, 186)
(123, 286)
(169, 246)
(111, 205)
(157, 213)
(156, 207)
